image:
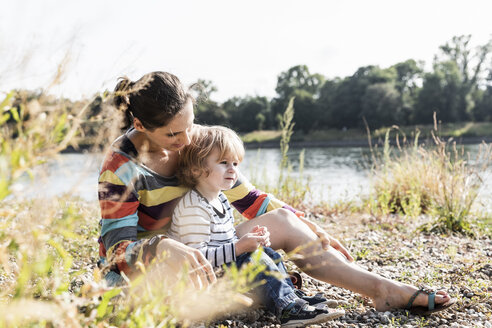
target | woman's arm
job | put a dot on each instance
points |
(177, 255)
(326, 239)
(120, 202)
(252, 202)
(119, 217)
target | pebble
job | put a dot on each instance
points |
(253, 316)
(473, 309)
(332, 303)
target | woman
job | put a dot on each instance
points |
(138, 190)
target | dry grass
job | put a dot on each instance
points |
(440, 180)
(49, 248)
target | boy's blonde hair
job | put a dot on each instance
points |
(204, 139)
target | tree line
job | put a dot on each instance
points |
(458, 88)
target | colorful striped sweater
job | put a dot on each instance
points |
(196, 223)
(137, 203)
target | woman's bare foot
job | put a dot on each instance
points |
(396, 296)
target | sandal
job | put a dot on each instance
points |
(431, 306)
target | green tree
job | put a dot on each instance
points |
(459, 70)
(381, 105)
(347, 109)
(247, 114)
(208, 111)
(471, 65)
(298, 78)
(298, 82)
(409, 76)
(440, 94)
(326, 102)
(483, 109)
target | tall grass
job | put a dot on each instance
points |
(289, 188)
(48, 252)
(49, 249)
(26, 143)
(439, 180)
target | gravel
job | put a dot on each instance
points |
(394, 248)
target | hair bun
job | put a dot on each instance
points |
(122, 93)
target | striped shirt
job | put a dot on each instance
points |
(197, 224)
(137, 203)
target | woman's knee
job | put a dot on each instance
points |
(284, 217)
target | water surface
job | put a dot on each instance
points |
(336, 174)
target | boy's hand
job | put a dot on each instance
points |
(252, 240)
(263, 231)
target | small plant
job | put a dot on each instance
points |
(421, 321)
(361, 254)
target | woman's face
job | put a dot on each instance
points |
(176, 134)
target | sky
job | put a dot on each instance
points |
(241, 46)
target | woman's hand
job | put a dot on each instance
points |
(177, 255)
(327, 240)
(339, 247)
(252, 240)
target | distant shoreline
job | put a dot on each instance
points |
(324, 143)
(358, 142)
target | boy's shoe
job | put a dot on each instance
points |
(316, 300)
(299, 313)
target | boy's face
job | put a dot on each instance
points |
(222, 172)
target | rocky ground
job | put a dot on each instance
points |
(391, 246)
(394, 248)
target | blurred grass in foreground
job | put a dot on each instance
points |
(48, 276)
(49, 249)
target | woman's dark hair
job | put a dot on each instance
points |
(154, 99)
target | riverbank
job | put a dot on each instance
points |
(360, 142)
(462, 133)
(275, 143)
(391, 246)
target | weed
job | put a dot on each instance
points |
(362, 254)
(421, 321)
(452, 251)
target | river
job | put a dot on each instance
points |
(336, 174)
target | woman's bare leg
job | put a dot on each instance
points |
(287, 232)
